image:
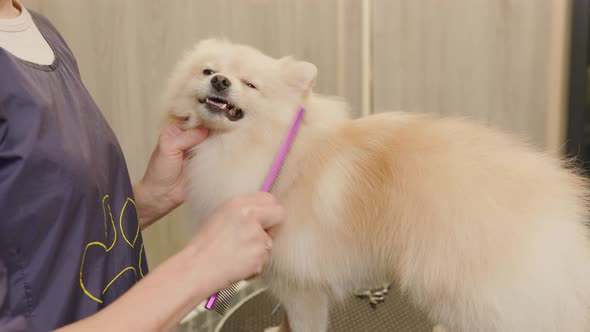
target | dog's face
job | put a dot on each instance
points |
(225, 86)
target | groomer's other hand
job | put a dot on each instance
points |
(233, 245)
(237, 238)
(164, 185)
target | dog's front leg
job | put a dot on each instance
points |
(306, 311)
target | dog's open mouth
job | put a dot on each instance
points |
(220, 105)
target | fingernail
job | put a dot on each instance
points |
(269, 244)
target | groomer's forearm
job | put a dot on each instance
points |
(149, 207)
(159, 301)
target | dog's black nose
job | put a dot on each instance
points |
(220, 82)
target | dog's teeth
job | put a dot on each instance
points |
(222, 106)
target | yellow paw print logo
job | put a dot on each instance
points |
(105, 248)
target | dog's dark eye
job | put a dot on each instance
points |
(250, 85)
(208, 72)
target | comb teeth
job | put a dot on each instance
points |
(224, 297)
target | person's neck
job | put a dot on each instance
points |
(8, 9)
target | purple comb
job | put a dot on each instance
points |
(225, 294)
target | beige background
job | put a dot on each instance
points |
(499, 61)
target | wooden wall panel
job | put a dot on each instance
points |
(489, 60)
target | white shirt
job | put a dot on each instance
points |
(21, 38)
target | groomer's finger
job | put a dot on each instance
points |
(272, 231)
(176, 140)
(270, 216)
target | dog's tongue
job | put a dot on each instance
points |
(216, 104)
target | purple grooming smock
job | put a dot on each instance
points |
(70, 241)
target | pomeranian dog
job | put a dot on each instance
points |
(482, 231)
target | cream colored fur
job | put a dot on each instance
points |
(483, 232)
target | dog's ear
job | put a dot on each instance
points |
(300, 75)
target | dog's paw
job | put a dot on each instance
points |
(277, 329)
(375, 296)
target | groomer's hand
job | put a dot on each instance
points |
(233, 245)
(236, 240)
(164, 186)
